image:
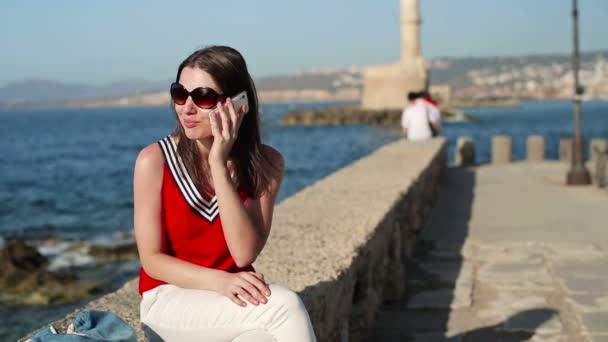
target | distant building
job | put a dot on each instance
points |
(386, 86)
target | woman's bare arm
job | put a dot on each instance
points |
(246, 225)
(147, 184)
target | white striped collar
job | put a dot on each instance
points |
(208, 209)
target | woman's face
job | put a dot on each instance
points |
(195, 120)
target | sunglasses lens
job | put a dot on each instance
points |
(179, 95)
(204, 97)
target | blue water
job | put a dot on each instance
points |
(68, 172)
(551, 119)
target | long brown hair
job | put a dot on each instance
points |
(253, 170)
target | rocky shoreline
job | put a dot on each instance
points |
(55, 271)
(507, 102)
(354, 114)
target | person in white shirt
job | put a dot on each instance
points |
(420, 120)
(433, 106)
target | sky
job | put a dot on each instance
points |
(99, 41)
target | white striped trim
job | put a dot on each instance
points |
(208, 209)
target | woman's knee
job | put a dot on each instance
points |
(283, 296)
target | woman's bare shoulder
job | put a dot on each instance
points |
(149, 160)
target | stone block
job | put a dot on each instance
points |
(536, 148)
(502, 149)
(597, 337)
(575, 284)
(596, 147)
(589, 303)
(509, 252)
(595, 322)
(515, 276)
(582, 267)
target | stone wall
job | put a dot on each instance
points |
(342, 242)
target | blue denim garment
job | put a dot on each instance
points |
(97, 326)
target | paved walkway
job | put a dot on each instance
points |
(510, 254)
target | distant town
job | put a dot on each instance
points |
(526, 77)
(467, 78)
(546, 78)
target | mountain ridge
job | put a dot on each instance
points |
(323, 83)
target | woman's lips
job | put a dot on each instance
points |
(190, 124)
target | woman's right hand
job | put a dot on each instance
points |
(247, 285)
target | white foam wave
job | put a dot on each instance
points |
(70, 259)
(51, 250)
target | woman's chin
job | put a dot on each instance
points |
(195, 134)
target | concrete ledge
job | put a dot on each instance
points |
(342, 242)
(349, 229)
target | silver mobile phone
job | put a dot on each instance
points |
(238, 100)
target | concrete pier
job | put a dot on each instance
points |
(509, 254)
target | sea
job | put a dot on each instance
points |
(66, 174)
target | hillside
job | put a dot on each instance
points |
(535, 76)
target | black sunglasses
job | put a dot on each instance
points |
(203, 97)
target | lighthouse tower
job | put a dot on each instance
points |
(386, 86)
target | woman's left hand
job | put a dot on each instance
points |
(225, 122)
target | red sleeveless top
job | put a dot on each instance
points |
(191, 225)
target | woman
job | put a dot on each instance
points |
(203, 203)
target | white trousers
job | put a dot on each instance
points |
(178, 314)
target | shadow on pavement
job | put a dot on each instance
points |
(439, 284)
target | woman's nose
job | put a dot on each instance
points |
(189, 106)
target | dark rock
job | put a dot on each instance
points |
(23, 267)
(118, 252)
(24, 278)
(17, 256)
(353, 115)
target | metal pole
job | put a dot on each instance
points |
(578, 174)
